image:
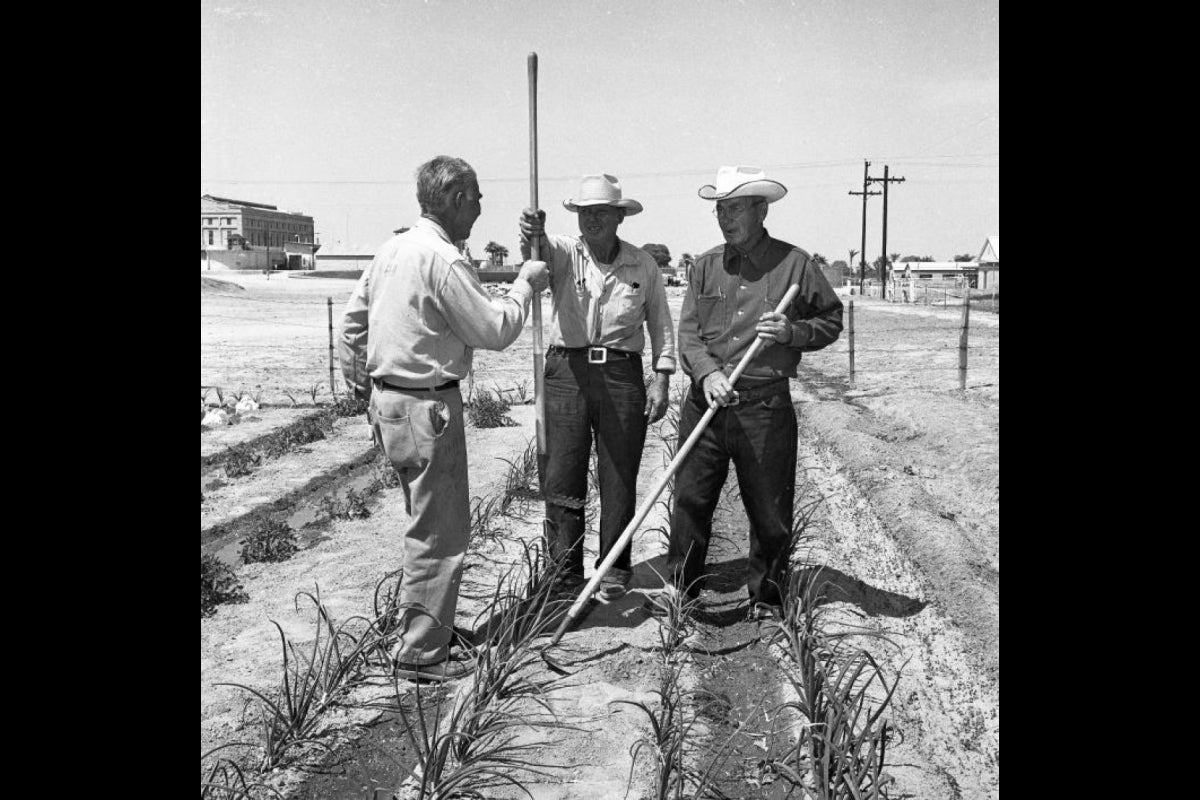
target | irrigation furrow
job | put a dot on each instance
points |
(946, 711)
(288, 488)
(216, 443)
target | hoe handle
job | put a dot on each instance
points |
(662, 481)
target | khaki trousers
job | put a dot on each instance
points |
(422, 434)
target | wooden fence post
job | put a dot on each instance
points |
(962, 342)
(851, 340)
(332, 388)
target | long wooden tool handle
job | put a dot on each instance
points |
(535, 246)
(644, 509)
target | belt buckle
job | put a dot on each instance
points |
(597, 355)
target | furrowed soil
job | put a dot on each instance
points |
(897, 484)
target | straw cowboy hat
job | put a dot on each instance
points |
(742, 181)
(601, 190)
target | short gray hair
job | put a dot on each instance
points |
(437, 181)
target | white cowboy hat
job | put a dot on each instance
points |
(743, 181)
(601, 190)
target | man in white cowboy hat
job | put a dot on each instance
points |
(603, 291)
(410, 330)
(731, 297)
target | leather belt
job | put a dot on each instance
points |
(595, 355)
(384, 386)
(767, 390)
(758, 392)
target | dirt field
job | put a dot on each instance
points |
(899, 474)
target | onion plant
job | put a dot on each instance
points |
(477, 746)
(842, 693)
(310, 684)
(227, 781)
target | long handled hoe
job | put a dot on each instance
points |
(648, 503)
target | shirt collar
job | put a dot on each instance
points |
(434, 226)
(622, 253)
(755, 253)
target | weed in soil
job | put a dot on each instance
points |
(270, 540)
(490, 410)
(218, 585)
(354, 506)
(385, 475)
(240, 461)
(347, 405)
(520, 483)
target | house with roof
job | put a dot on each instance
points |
(989, 263)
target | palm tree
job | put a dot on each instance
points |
(496, 253)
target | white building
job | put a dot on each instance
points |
(989, 263)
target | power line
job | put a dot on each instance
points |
(524, 178)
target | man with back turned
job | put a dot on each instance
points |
(410, 330)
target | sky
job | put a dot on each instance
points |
(329, 108)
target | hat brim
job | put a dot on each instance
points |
(771, 190)
(631, 206)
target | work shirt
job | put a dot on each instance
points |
(598, 304)
(419, 311)
(729, 290)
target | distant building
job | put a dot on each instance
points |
(346, 256)
(284, 239)
(989, 263)
(931, 271)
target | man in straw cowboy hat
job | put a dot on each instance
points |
(732, 292)
(603, 291)
(409, 333)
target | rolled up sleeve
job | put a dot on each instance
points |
(478, 319)
(660, 325)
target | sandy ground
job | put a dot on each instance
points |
(902, 467)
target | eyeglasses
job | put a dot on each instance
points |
(733, 211)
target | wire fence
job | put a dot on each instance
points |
(824, 367)
(926, 293)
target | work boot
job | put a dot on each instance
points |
(450, 668)
(614, 584)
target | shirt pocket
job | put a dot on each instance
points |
(630, 306)
(710, 312)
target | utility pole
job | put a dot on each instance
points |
(862, 254)
(885, 180)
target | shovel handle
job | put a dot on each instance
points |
(661, 484)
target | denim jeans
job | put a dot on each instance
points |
(422, 434)
(759, 436)
(607, 402)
